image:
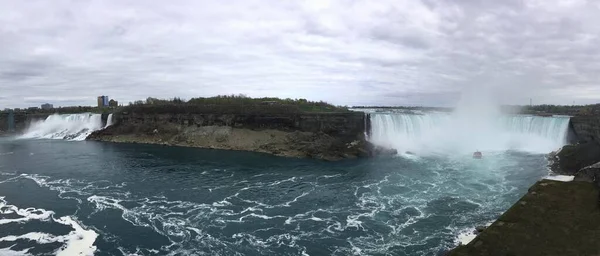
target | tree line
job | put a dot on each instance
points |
(232, 104)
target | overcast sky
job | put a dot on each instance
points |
(349, 52)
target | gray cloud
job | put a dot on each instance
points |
(343, 51)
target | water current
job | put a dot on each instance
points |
(62, 197)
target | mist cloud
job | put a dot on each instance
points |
(347, 51)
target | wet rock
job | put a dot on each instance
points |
(479, 229)
(589, 174)
(572, 158)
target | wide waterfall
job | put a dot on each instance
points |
(447, 133)
(69, 127)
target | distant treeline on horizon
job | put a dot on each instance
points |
(243, 103)
(218, 104)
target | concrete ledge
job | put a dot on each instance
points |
(553, 218)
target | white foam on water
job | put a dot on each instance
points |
(78, 242)
(26, 214)
(564, 178)
(38, 237)
(9, 252)
(69, 127)
(187, 224)
(467, 235)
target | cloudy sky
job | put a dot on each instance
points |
(349, 52)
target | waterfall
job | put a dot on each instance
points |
(447, 133)
(68, 127)
(109, 120)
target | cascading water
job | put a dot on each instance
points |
(109, 120)
(445, 133)
(69, 127)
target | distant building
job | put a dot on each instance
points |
(47, 106)
(102, 101)
(113, 103)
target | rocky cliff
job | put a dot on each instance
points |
(586, 128)
(329, 136)
(584, 149)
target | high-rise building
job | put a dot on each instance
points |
(102, 101)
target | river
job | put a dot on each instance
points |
(68, 197)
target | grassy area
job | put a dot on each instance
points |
(554, 218)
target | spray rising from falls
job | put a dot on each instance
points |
(69, 127)
(446, 133)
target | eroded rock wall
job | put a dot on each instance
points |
(329, 136)
(586, 128)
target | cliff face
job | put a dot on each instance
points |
(329, 136)
(584, 136)
(340, 124)
(586, 128)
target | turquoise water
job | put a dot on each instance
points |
(154, 200)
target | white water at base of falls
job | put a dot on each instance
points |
(69, 127)
(444, 133)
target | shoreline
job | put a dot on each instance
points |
(265, 153)
(155, 140)
(293, 144)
